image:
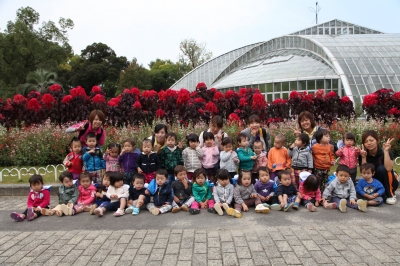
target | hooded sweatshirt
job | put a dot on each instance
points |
(87, 195)
(337, 189)
(241, 193)
(39, 199)
(301, 158)
(223, 194)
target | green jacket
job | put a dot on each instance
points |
(202, 193)
(68, 195)
(246, 163)
(170, 159)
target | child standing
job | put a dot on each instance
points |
(68, 194)
(245, 196)
(87, 194)
(73, 161)
(210, 155)
(287, 193)
(348, 154)
(171, 156)
(278, 157)
(202, 192)
(117, 192)
(148, 162)
(163, 195)
(128, 159)
(228, 158)
(93, 159)
(261, 160)
(342, 192)
(245, 153)
(223, 191)
(101, 196)
(111, 157)
(192, 155)
(309, 191)
(38, 201)
(301, 157)
(322, 157)
(265, 189)
(368, 188)
(182, 190)
(137, 195)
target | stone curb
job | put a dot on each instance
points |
(23, 189)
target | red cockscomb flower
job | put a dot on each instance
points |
(98, 98)
(210, 106)
(242, 92)
(34, 105)
(114, 102)
(161, 95)
(183, 96)
(149, 94)
(18, 98)
(394, 111)
(1, 117)
(96, 89)
(320, 93)
(48, 100)
(199, 100)
(370, 99)
(78, 92)
(201, 85)
(170, 93)
(233, 118)
(229, 94)
(258, 101)
(201, 111)
(331, 94)
(345, 99)
(135, 91)
(67, 99)
(294, 94)
(396, 96)
(218, 95)
(55, 87)
(242, 102)
(160, 113)
(137, 105)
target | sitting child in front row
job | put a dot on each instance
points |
(87, 194)
(101, 195)
(163, 194)
(182, 188)
(68, 194)
(287, 193)
(309, 190)
(137, 195)
(265, 189)
(223, 191)
(368, 188)
(38, 201)
(202, 192)
(342, 192)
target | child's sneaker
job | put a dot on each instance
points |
(311, 207)
(362, 205)
(194, 211)
(276, 207)
(185, 208)
(119, 212)
(99, 212)
(260, 208)
(176, 209)
(70, 208)
(30, 215)
(135, 211)
(47, 212)
(17, 217)
(342, 205)
(87, 208)
(212, 210)
(64, 209)
(234, 213)
(129, 209)
(91, 211)
(155, 211)
(296, 206)
(330, 205)
(266, 205)
(288, 206)
(225, 206)
(218, 209)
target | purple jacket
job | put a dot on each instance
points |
(128, 161)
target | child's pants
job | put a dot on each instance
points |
(312, 201)
(163, 209)
(187, 202)
(96, 176)
(128, 178)
(249, 202)
(337, 201)
(295, 176)
(196, 205)
(38, 213)
(113, 206)
(148, 176)
(322, 176)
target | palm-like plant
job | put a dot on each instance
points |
(39, 80)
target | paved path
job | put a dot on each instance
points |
(278, 238)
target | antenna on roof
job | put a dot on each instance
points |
(316, 11)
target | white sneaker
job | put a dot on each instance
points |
(391, 201)
(260, 208)
(119, 212)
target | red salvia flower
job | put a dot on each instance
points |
(34, 105)
(98, 98)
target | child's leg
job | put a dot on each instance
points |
(336, 200)
(57, 210)
(165, 208)
(171, 178)
(295, 177)
(274, 176)
(140, 201)
(353, 206)
(78, 208)
(189, 201)
(189, 175)
(254, 176)
(122, 203)
(149, 177)
(297, 200)
(195, 205)
(211, 203)
(238, 207)
(285, 199)
(211, 178)
(322, 176)
(353, 175)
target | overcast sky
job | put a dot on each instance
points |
(149, 29)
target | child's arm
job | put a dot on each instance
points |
(74, 196)
(86, 157)
(29, 202)
(339, 152)
(139, 163)
(66, 162)
(215, 151)
(237, 195)
(162, 158)
(331, 156)
(225, 156)
(179, 156)
(170, 197)
(216, 198)
(310, 161)
(185, 157)
(301, 190)
(188, 187)
(199, 152)
(269, 160)
(318, 196)
(196, 194)
(264, 161)
(243, 156)
(46, 199)
(288, 162)
(106, 157)
(209, 193)
(92, 197)
(359, 188)
(328, 190)
(121, 157)
(379, 187)
(230, 194)
(157, 161)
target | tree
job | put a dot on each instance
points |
(39, 80)
(135, 75)
(193, 53)
(164, 73)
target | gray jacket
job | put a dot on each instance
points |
(68, 195)
(301, 158)
(192, 158)
(226, 161)
(337, 189)
(241, 193)
(223, 194)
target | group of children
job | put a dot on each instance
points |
(206, 177)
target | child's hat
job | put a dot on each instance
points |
(303, 176)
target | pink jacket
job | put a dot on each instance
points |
(307, 195)
(86, 195)
(41, 199)
(348, 156)
(261, 161)
(210, 156)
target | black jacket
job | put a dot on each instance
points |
(163, 194)
(148, 164)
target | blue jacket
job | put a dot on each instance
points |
(163, 194)
(369, 188)
(93, 161)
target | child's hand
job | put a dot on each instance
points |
(114, 196)
(253, 196)
(140, 201)
(262, 198)
(375, 195)
(245, 208)
(253, 157)
(202, 205)
(99, 195)
(139, 170)
(352, 202)
(317, 203)
(236, 160)
(176, 199)
(293, 145)
(147, 192)
(266, 198)
(91, 150)
(122, 151)
(108, 151)
(180, 144)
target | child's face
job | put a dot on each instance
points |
(299, 143)
(37, 187)
(278, 143)
(91, 142)
(147, 147)
(77, 147)
(349, 142)
(209, 142)
(85, 182)
(67, 182)
(119, 183)
(171, 141)
(367, 174)
(263, 176)
(181, 175)
(214, 129)
(285, 180)
(228, 147)
(193, 144)
(106, 181)
(342, 176)
(244, 142)
(128, 147)
(325, 139)
(224, 182)
(138, 183)
(201, 179)
(114, 152)
(246, 179)
(161, 180)
(257, 148)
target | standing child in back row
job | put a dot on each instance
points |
(93, 159)
(348, 154)
(301, 158)
(245, 154)
(322, 157)
(210, 156)
(128, 159)
(171, 156)
(278, 157)
(192, 155)
(148, 162)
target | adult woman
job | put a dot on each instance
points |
(383, 160)
(256, 132)
(158, 138)
(95, 123)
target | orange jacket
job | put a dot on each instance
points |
(322, 156)
(280, 158)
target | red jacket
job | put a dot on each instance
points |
(77, 163)
(39, 199)
(307, 195)
(86, 195)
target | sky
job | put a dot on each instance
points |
(153, 29)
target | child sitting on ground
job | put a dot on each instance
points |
(87, 194)
(348, 154)
(223, 191)
(111, 157)
(171, 156)
(192, 155)
(128, 158)
(68, 194)
(210, 155)
(38, 201)
(101, 196)
(228, 158)
(368, 188)
(265, 189)
(163, 194)
(202, 192)
(278, 157)
(182, 188)
(261, 160)
(93, 159)
(137, 195)
(322, 157)
(309, 191)
(301, 157)
(287, 193)
(73, 161)
(148, 162)
(342, 192)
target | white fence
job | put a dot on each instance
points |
(56, 169)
